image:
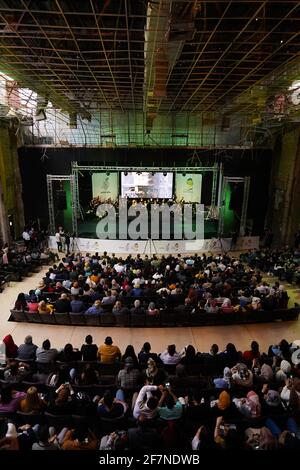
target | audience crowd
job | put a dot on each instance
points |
(191, 285)
(100, 398)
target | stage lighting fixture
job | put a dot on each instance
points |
(164, 173)
(125, 173)
(184, 173)
(107, 173)
(153, 173)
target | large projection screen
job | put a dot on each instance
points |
(105, 186)
(147, 185)
(188, 187)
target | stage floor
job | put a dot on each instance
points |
(87, 228)
(200, 337)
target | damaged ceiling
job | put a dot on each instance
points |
(156, 57)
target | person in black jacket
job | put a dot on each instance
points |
(89, 350)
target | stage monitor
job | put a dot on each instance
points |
(188, 187)
(105, 186)
(147, 185)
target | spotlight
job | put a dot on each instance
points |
(164, 173)
(125, 173)
(107, 173)
(184, 173)
(152, 173)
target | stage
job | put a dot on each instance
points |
(161, 247)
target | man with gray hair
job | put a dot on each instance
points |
(138, 309)
(27, 351)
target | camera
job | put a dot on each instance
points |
(167, 385)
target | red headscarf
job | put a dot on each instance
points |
(11, 349)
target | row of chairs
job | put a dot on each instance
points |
(165, 318)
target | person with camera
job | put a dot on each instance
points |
(169, 406)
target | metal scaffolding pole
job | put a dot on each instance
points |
(74, 204)
(243, 222)
(50, 204)
(214, 186)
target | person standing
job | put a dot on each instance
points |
(67, 242)
(58, 241)
(26, 238)
(62, 237)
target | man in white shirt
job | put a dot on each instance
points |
(58, 241)
(26, 238)
(146, 403)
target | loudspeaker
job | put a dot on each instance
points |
(61, 200)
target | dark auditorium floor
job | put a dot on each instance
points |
(200, 337)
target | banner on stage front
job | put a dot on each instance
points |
(105, 186)
(188, 187)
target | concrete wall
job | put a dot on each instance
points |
(11, 184)
(284, 196)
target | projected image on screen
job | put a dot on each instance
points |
(147, 185)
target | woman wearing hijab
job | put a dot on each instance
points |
(154, 375)
(11, 349)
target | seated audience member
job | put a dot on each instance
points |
(271, 402)
(95, 309)
(108, 353)
(62, 403)
(189, 356)
(211, 305)
(89, 376)
(111, 407)
(44, 440)
(46, 354)
(197, 408)
(203, 439)
(9, 399)
(145, 354)
(75, 288)
(62, 305)
(89, 350)
(16, 372)
(250, 406)
(154, 375)
(170, 356)
(130, 352)
(109, 298)
(143, 437)
(21, 303)
(242, 376)
(227, 437)
(230, 356)
(254, 353)
(226, 306)
(137, 309)
(45, 308)
(283, 372)
(76, 305)
(169, 406)
(119, 309)
(80, 438)
(225, 381)
(27, 351)
(145, 402)
(32, 403)
(260, 439)
(129, 377)
(152, 310)
(69, 354)
(11, 349)
(33, 305)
